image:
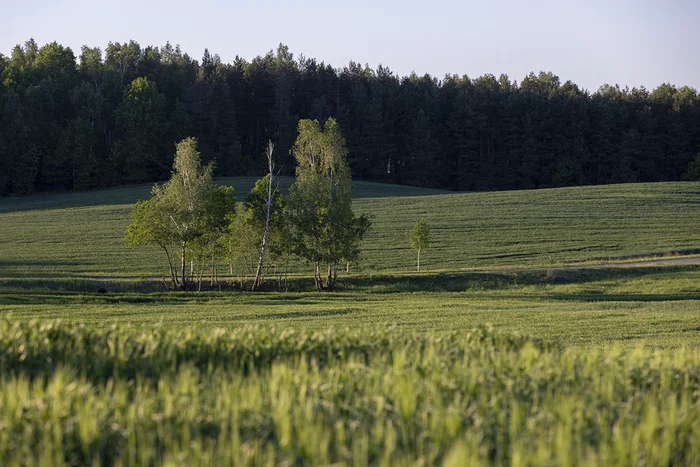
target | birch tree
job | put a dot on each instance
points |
(321, 201)
(220, 207)
(242, 239)
(186, 212)
(268, 209)
(420, 238)
(150, 226)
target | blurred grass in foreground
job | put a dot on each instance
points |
(123, 396)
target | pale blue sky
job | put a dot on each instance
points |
(633, 43)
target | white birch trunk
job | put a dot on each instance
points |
(271, 167)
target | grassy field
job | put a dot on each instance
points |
(82, 234)
(450, 366)
(656, 307)
(75, 396)
(49, 242)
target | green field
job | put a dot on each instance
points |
(53, 248)
(83, 234)
(656, 307)
(72, 395)
(395, 368)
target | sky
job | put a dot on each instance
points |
(630, 43)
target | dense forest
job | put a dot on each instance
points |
(113, 117)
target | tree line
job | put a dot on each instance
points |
(198, 225)
(113, 116)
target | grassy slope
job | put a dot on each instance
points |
(56, 237)
(82, 234)
(133, 193)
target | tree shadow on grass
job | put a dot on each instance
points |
(356, 287)
(294, 315)
(508, 280)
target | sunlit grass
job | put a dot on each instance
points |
(124, 396)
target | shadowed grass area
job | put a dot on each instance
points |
(132, 193)
(657, 307)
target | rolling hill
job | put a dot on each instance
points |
(82, 233)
